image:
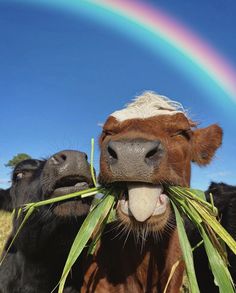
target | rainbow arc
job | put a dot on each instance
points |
(162, 34)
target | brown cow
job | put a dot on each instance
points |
(144, 148)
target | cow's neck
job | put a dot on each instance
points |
(122, 265)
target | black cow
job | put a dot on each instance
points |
(225, 200)
(35, 262)
(5, 200)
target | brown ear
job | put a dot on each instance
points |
(205, 143)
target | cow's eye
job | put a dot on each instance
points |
(186, 133)
(107, 132)
(18, 176)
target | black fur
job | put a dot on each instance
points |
(225, 200)
(5, 200)
(36, 259)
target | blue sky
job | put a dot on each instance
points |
(62, 74)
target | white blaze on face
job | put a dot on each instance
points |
(148, 105)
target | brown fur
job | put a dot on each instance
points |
(122, 268)
(205, 142)
(120, 264)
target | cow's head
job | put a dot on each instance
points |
(35, 180)
(144, 148)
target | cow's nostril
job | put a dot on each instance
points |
(59, 158)
(63, 157)
(154, 153)
(112, 153)
(86, 157)
(151, 153)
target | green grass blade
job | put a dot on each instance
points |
(197, 192)
(97, 235)
(218, 267)
(112, 216)
(90, 224)
(26, 217)
(187, 251)
(212, 201)
(203, 215)
(19, 212)
(217, 242)
(188, 194)
(219, 230)
(91, 163)
(205, 212)
(83, 193)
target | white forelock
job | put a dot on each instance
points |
(147, 105)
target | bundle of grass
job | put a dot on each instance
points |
(203, 215)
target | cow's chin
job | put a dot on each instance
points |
(74, 208)
(144, 207)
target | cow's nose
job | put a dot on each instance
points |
(131, 157)
(147, 152)
(65, 157)
(70, 161)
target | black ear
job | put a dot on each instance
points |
(224, 196)
(5, 200)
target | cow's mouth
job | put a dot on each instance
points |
(70, 184)
(75, 206)
(142, 201)
(143, 204)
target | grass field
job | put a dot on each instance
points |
(5, 227)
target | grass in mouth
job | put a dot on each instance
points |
(185, 202)
(203, 215)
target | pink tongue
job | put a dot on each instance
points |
(143, 200)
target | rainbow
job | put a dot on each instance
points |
(162, 34)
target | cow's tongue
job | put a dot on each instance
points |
(143, 199)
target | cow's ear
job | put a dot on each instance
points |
(5, 200)
(205, 142)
